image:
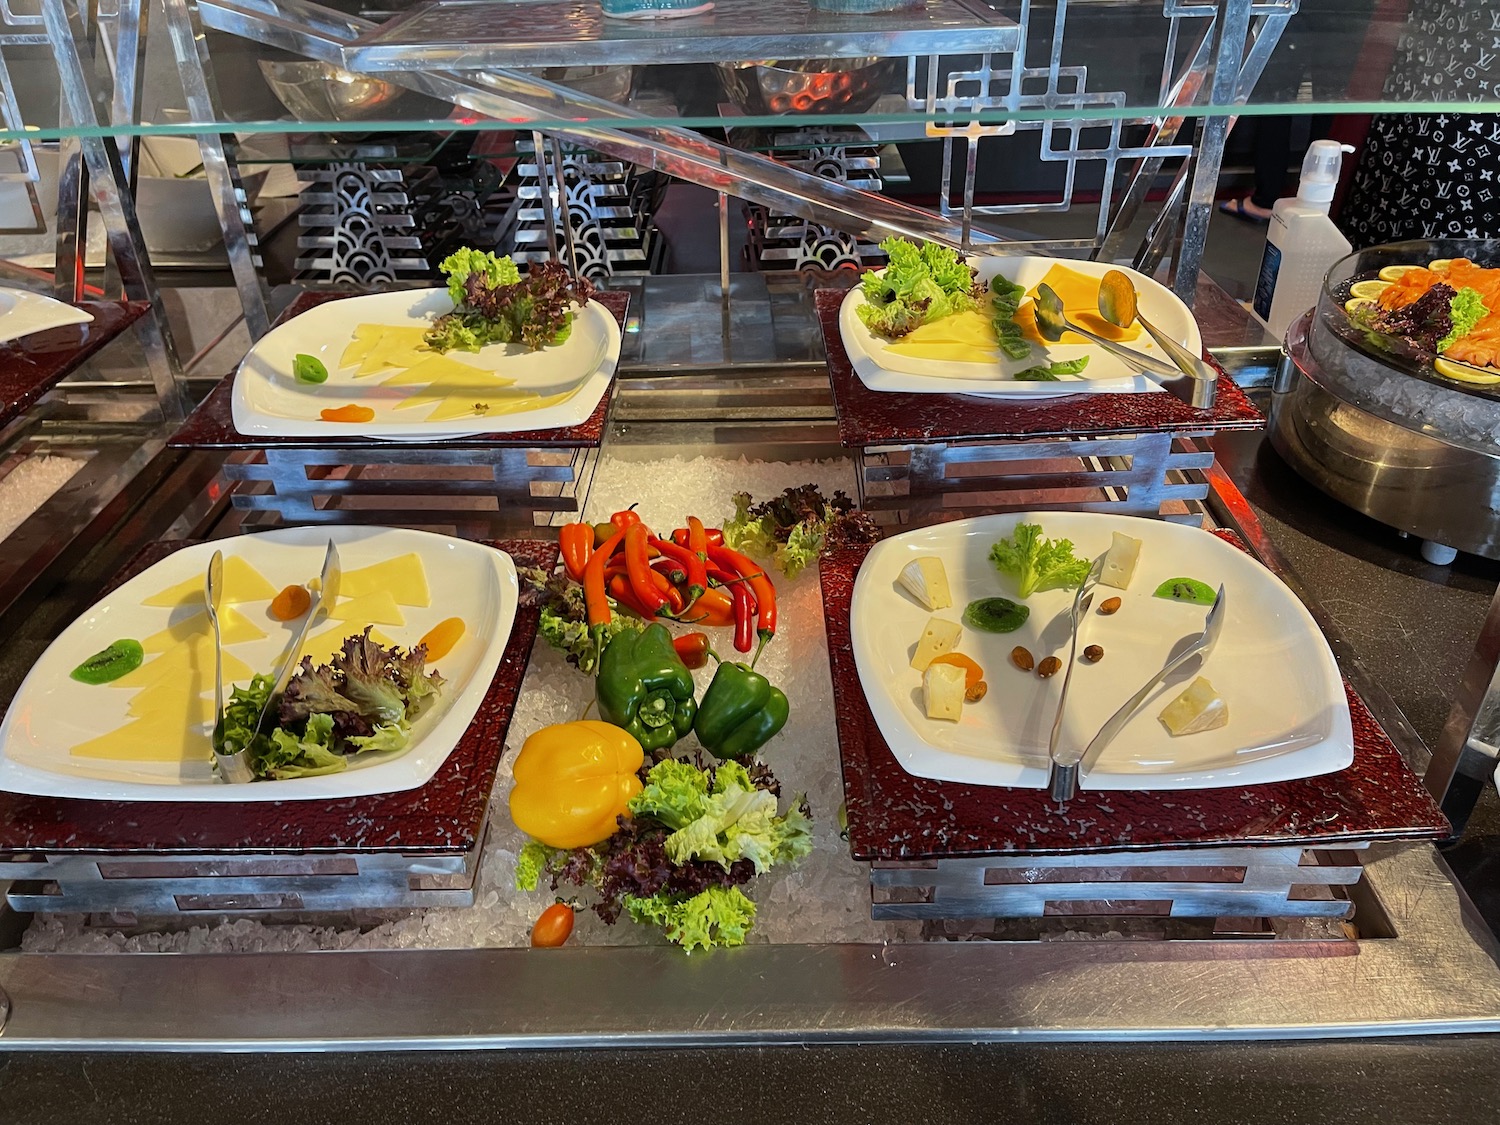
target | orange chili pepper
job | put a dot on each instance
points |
(594, 598)
(351, 413)
(639, 569)
(576, 542)
(714, 609)
(765, 593)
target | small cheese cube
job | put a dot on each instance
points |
(1119, 562)
(927, 581)
(939, 637)
(1198, 708)
(943, 691)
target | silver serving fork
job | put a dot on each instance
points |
(1060, 781)
(323, 598)
(234, 765)
(1201, 645)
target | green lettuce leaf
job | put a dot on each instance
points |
(1037, 563)
(308, 756)
(675, 793)
(1466, 309)
(532, 862)
(750, 535)
(719, 916)
(494, 269)
(391, 736)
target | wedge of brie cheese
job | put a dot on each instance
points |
(1198, 708)
(1119, 563)
(943, 691)
(927, 581)
(939, 637)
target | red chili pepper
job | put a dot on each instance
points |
(765, 593)
(691, 567)
(594, 598)
(620, 590)
(692, 648)
(640, 569)
(670, 567)
(576, 543)
(627, 518)
(715, 536)
(744, 616)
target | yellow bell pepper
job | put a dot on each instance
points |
(573, 780)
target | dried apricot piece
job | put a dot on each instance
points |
(290, 604)
(351, 413)
(441, 638)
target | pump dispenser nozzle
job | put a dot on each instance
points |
(1320, 171)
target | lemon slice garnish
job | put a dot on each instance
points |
(1368, 289)
(1463, 372)
(1440, 265)
(1395, 273)
(1357, 303)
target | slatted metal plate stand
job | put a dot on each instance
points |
(929, 457)
(507, 483)
(421, 847)
(958, 853)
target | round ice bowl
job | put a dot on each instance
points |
(652, 9)
(316, 91)
(809, 86)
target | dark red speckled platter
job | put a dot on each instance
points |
(869, 417)
(893, 815)
(444, 816)
(32, 365)
(211, 425)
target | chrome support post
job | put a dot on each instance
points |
(201, 90)
(564, 211)
(1464, 761)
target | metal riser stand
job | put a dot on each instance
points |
(1224, 883)
(482, 492)
(168, 886)
(1137, 474)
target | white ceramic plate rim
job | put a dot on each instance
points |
(1331, 752)
(253, 418)
(23, 312)
(882, 370)
(411, 769)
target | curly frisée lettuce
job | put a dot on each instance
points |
(694, 835)
(919, 283)
(1037, 563)
(564, 617)
(494, 304)
(364, 700)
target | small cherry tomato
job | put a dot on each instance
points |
(554, 926)
(350, 413)
(290, 604)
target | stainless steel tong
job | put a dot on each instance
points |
(1069, 764)
(233, 761)
(1083, 598)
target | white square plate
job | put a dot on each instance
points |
(268, 401)
(23, 312)
(881, 369)
(52, 712)
(1288, 714)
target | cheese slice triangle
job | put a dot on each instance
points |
(378, 608)
(188, 663)
(149, 739)
(441, 369)
(242, 583)
(234, 627)
(404, 576)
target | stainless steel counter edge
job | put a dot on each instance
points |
(1438, 975)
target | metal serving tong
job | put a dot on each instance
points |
(233, 761)
(1052, 322)
(1069, 765)
(1083, 598)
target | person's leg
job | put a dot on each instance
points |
(1273, 148)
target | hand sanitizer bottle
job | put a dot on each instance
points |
(1302, 242)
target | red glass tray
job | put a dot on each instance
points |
(444, 816)
(34, 364)
(893, 815)
(869, 417)
(211, 425)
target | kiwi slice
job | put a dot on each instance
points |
(995, 615)
(119, 659)
(1187, 590)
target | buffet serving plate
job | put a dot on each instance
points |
(268, 401)
(1289, 715)
(881, 369)
(51, 713)
(23, 312)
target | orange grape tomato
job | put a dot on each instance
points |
(291, 603)
(554, 926)
(973, 673)
(350, 413)
(441, 638)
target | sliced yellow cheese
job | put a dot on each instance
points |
(365, 337)
(326, 645)
(939, 637)
(927, 581)
(1119, 561)
(191, 662)
(378, 608)
(175, 699)
(149, 740)
(1080, 297)
(234, 627)
(943, 691)
(966, 337)
(242, 583)
(495, 397)
(392, 342)
(441, 369)
(404, 576)
(1198, 708)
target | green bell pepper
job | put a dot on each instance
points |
(741, 712)
(645, 688)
